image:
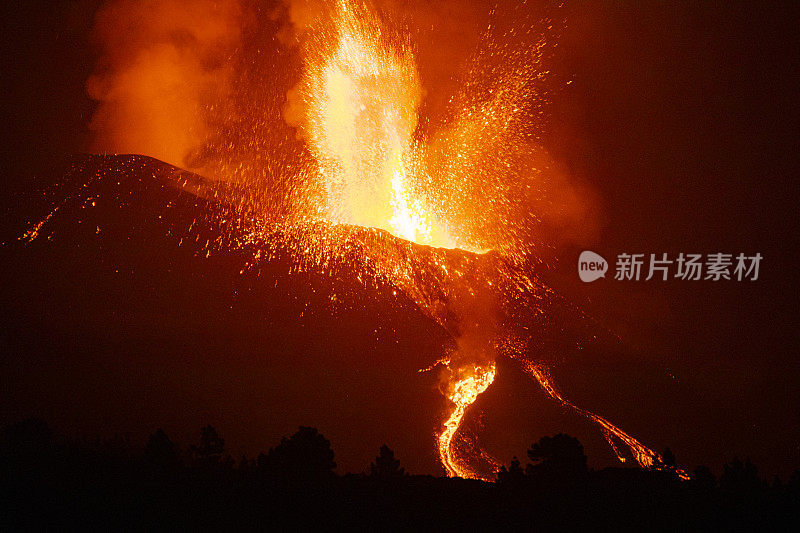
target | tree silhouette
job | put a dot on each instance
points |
(49, 482)
(704, 479)
(305, 455)
(665, 462)
(794, 481)
(513, 474)
(27, 437)
(26, 445)
(668, 458)
(560, 454)
(740, 477)
(386, 466)
(211, 446)
(160, 451)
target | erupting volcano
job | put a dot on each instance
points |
(444, 211)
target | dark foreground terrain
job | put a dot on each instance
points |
(47, 482)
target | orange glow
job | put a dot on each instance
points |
(465, 391)
(162, 66)
(360, 95)
(641, 453)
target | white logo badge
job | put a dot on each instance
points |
(591, 266)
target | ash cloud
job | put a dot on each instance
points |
(161, 64)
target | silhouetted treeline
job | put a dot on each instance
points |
(47, 482)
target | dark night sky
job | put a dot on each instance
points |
(685, 119)
(682, 119)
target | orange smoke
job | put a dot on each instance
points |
(161, 65)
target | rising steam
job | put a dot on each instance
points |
(162, 66)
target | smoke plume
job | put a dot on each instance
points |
(162, 64)
(207, 85)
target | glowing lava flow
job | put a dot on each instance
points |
(641, 453)
(465, 392)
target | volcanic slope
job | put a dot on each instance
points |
(129, 304)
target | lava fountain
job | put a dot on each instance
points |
(357, 108)
(360, 95)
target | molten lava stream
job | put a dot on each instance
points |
(641, 453)
(465, 392)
